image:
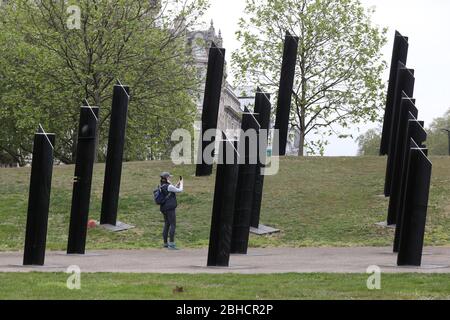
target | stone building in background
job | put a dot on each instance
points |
(229, 118)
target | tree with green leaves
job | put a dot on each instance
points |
(50, 63)
(339, 65)
(369, 143)
(437, 139)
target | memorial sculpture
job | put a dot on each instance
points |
(404, 86)
(85, 157)
(285, 91)
(415, 208)
(262, 114)
(408, 169)
(114, 156)
(245, 185)
(211, 101)
(416, 132)
(399, 55)
(39, 198)
(223, 205)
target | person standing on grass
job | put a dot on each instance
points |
(168, 208)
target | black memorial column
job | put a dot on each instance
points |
(416, 204)
(114, 157)
(416, 132)
(245, 185)
(285, 91)
(399, 55)
(81, 195)
(223, 205)
(404, 86)
(262, 114)
(211, 101)
(39, 199)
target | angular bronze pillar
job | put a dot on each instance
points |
(416, 204)
(262, 115)
(398, 156)
(211, 101)
(404, 85)
(81, 195)
(245, 187)
(416, 132)
(39, 199)
(399, 54)
(285, 90)
(114, 157)
(223, 207)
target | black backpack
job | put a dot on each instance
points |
(160, 194)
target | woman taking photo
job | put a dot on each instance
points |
(168, 208)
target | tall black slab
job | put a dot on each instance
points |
(211, 101)
(223, 207)
(285, 91)
(416, 204)
(114, 157)
(245, 188)
(262, 115)
(407, 106)
(416, 132)
(39, 199)
(81, 194)
(399, 54)
(404, 85)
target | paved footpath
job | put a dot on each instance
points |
(261, 260)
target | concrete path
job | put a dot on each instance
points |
(272, 260)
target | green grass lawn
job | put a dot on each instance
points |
(314, 201)
(224, 286)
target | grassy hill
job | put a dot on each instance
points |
(314, 201)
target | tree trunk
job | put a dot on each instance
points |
(97, 141)
(74, 147)
(301, 144)
(97, 134)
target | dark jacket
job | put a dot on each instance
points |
(171, 202)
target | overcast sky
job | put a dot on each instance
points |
(426, 23)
